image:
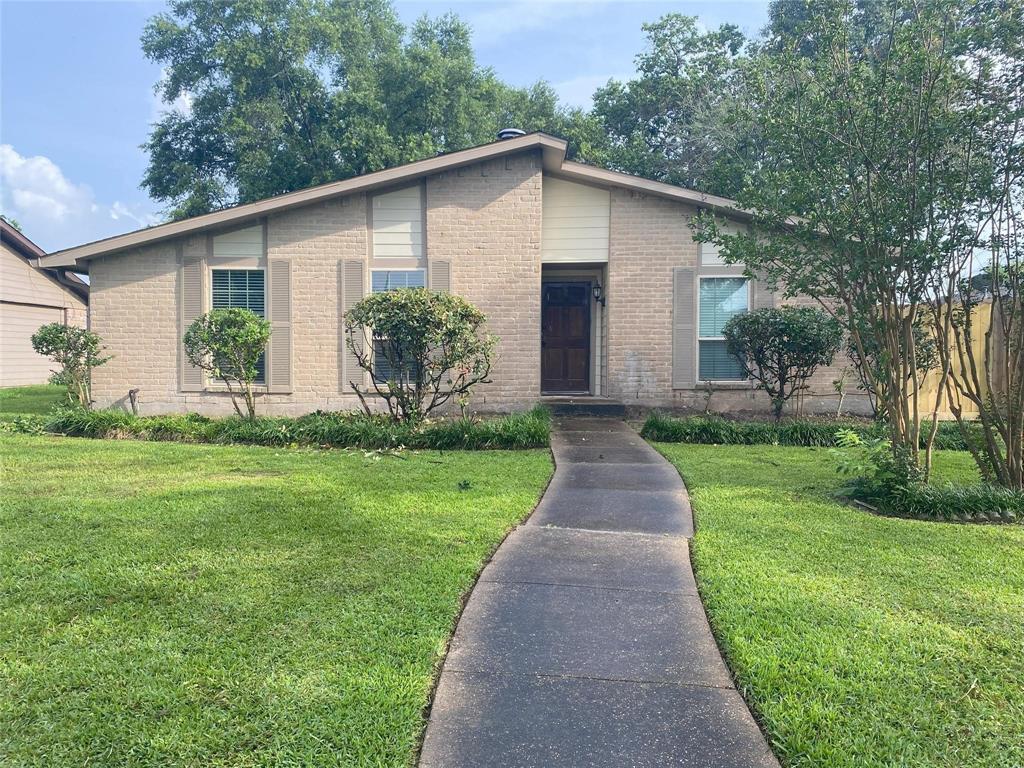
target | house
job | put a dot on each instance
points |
(591, 279)
(29, 298)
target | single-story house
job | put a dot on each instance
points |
(591, 279)
(29, 298)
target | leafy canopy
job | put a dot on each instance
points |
(782, 348)
(427, 349)
(228, 344)
(286, 94)
(77, 351)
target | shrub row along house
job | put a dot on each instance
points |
(591, 280)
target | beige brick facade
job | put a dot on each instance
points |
(485, 220)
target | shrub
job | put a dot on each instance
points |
(356, 430)
(782, 348)
(715, 430)
(979, 503)
(229, 345)
(427, 349)
(77, 351)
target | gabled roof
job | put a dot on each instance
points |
(32, 253)
(552, 151)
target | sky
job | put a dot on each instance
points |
(77, 95)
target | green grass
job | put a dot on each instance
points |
(169, 605)
(34, 398)
(859, 640)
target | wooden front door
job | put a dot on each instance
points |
(565, 338)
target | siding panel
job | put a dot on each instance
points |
(19, 363)
(398, 224)
(575, 222)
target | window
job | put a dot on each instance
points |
(389, 280)
(241, 289)
(720, 299)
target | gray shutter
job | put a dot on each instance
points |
(352, 282)
(190, 304)
(684, 328)
(440, 276)
(279, 351)
(763, 296)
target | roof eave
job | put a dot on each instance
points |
(553, 155)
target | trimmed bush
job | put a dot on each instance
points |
(341, 430)
(715, 430)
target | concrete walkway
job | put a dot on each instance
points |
(584, 642)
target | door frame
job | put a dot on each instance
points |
(588, 284)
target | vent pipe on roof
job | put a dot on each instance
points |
(510, 133)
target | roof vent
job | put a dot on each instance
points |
(510, 133)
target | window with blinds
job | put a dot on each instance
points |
(720, 299)
(389, 280)
(241, 289)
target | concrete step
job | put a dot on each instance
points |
(584, 406)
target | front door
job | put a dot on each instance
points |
(565, 338)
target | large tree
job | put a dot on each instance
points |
(867, 164)
(284, 94)
(674, 121)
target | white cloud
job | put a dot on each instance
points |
(56, 212)
(579, 91)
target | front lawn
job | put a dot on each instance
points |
(859, 640)
(34, 398)
(168, 605)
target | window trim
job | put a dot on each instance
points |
(741, 382)
(258, 386)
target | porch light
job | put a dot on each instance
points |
(598, 291)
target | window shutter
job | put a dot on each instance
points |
(764, 298)
(279, 351)
(440, 276)
(190, 305)
(352, 282)
(684, 331)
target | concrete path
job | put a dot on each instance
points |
(584, 642)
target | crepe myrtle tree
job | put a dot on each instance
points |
(228, 345)
(782, 348)
(426, 349)
(77, 351)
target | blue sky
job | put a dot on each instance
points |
(76, 93)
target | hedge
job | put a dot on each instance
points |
(715, 430)
(336, 429)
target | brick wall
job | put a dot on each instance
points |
(133, 308)
(486, 220)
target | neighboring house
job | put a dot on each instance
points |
(591, 280)
(31, 297)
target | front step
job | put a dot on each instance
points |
(584, 406)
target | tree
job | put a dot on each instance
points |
(427, 348)
(874, 362)
(782, 348)
(674, 121)
(286, 94)
(864, 165)
(77, 351)
(229, 344)
(979, 285)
